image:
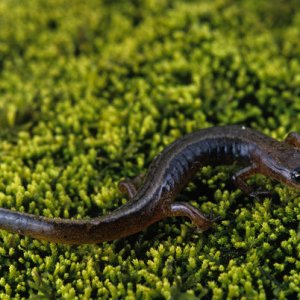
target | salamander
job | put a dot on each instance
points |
(152, 197)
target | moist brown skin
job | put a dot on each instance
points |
(152, 196)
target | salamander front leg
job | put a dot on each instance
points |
(242, 175)
(293, 138)
(186, 210)
(130, 186)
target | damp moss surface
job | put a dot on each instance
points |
(91, 91)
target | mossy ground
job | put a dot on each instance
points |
(91, 91)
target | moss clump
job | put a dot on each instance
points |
(91, 92)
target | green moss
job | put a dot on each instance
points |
(91, 91)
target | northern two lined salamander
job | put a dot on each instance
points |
(168, 174)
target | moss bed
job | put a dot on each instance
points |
(91, 91)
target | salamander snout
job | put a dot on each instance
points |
(295, 175)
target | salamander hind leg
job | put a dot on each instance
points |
(186, 210)
(293, 138)
(130, 186)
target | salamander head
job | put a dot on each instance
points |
(286, 165)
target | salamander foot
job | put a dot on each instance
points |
(258, 194)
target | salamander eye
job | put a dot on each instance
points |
(296, 175)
